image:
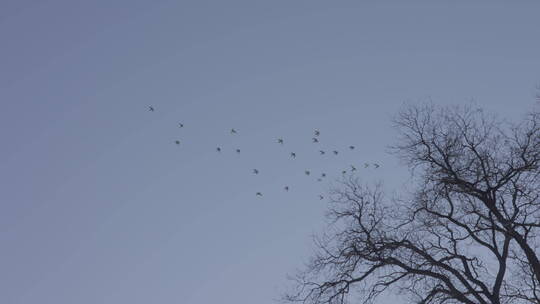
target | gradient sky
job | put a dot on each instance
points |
(97, 203)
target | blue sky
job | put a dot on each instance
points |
(98, 205)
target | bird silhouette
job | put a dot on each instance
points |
(315, 140)
(181, 125)
(218, 149)
(366, 165)
(321, 197)
(293, 155)
(351, 147)
(177, 142)
(344, 172)
(307, 172)
(376, 165)
(286, 188)
(335, 152)
(353, 168)
(151, 109)
(322, 152)
(280, 141)
(233, 131)
(237, 150)
(317, 133)
(255, 171)
(323, 175)
(258, 194)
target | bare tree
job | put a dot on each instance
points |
(468, 231)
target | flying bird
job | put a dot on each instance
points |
(286, 188)
(376, 165)
(366, 165)
(315, 140)
(321, 197)
(258, 194)
(323, 175)
(218, 149)
(255, 171)
(280, 141)
(335, 152)
(307, 172)
(181, 125)
(344, 172)
(233, 131)
(177, 142)
(322, 152)
(317, 133)
(353, 168)
(293, 155)
(319, 179)
(351, 147)
(237, 150)
(151, 109)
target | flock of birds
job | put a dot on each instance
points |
(315, 140)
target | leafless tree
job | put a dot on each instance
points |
(467, 232)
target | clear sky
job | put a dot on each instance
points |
(97, 203)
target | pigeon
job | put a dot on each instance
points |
(351, 147)
(233, 131)
(280, 141)
(255, 171)
(317, 133)
(181, 125)
(258, 194)
(237, 150)
(366, 165)
(293, 155)
(151, 109)
(286, 188)
(321, 197)
(322, 152)
(218, 149)
(335, 152)
(353, 168)
(315, 140)
(376, 166)
(323, 175)
(177, 142)
(307, 172)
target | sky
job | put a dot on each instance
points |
(97, 203)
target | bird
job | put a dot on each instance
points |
(323, 175)
(322, 152)
(255, 171)
(293, 155)
(233, 131)
(335, 152)
(280, 141)
(319, 179)
(237, 150)
(315, 140)
(317, 132)
(286, 188)
(307, 172)
(366, 165)
(344, 172)
(321, 197)
(376, 165)
(151, 109)
(353, 168)
(177, 142)
(218, 149)
(258, 194)
(351, 147)
(181, 125)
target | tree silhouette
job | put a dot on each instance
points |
(467, 231)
